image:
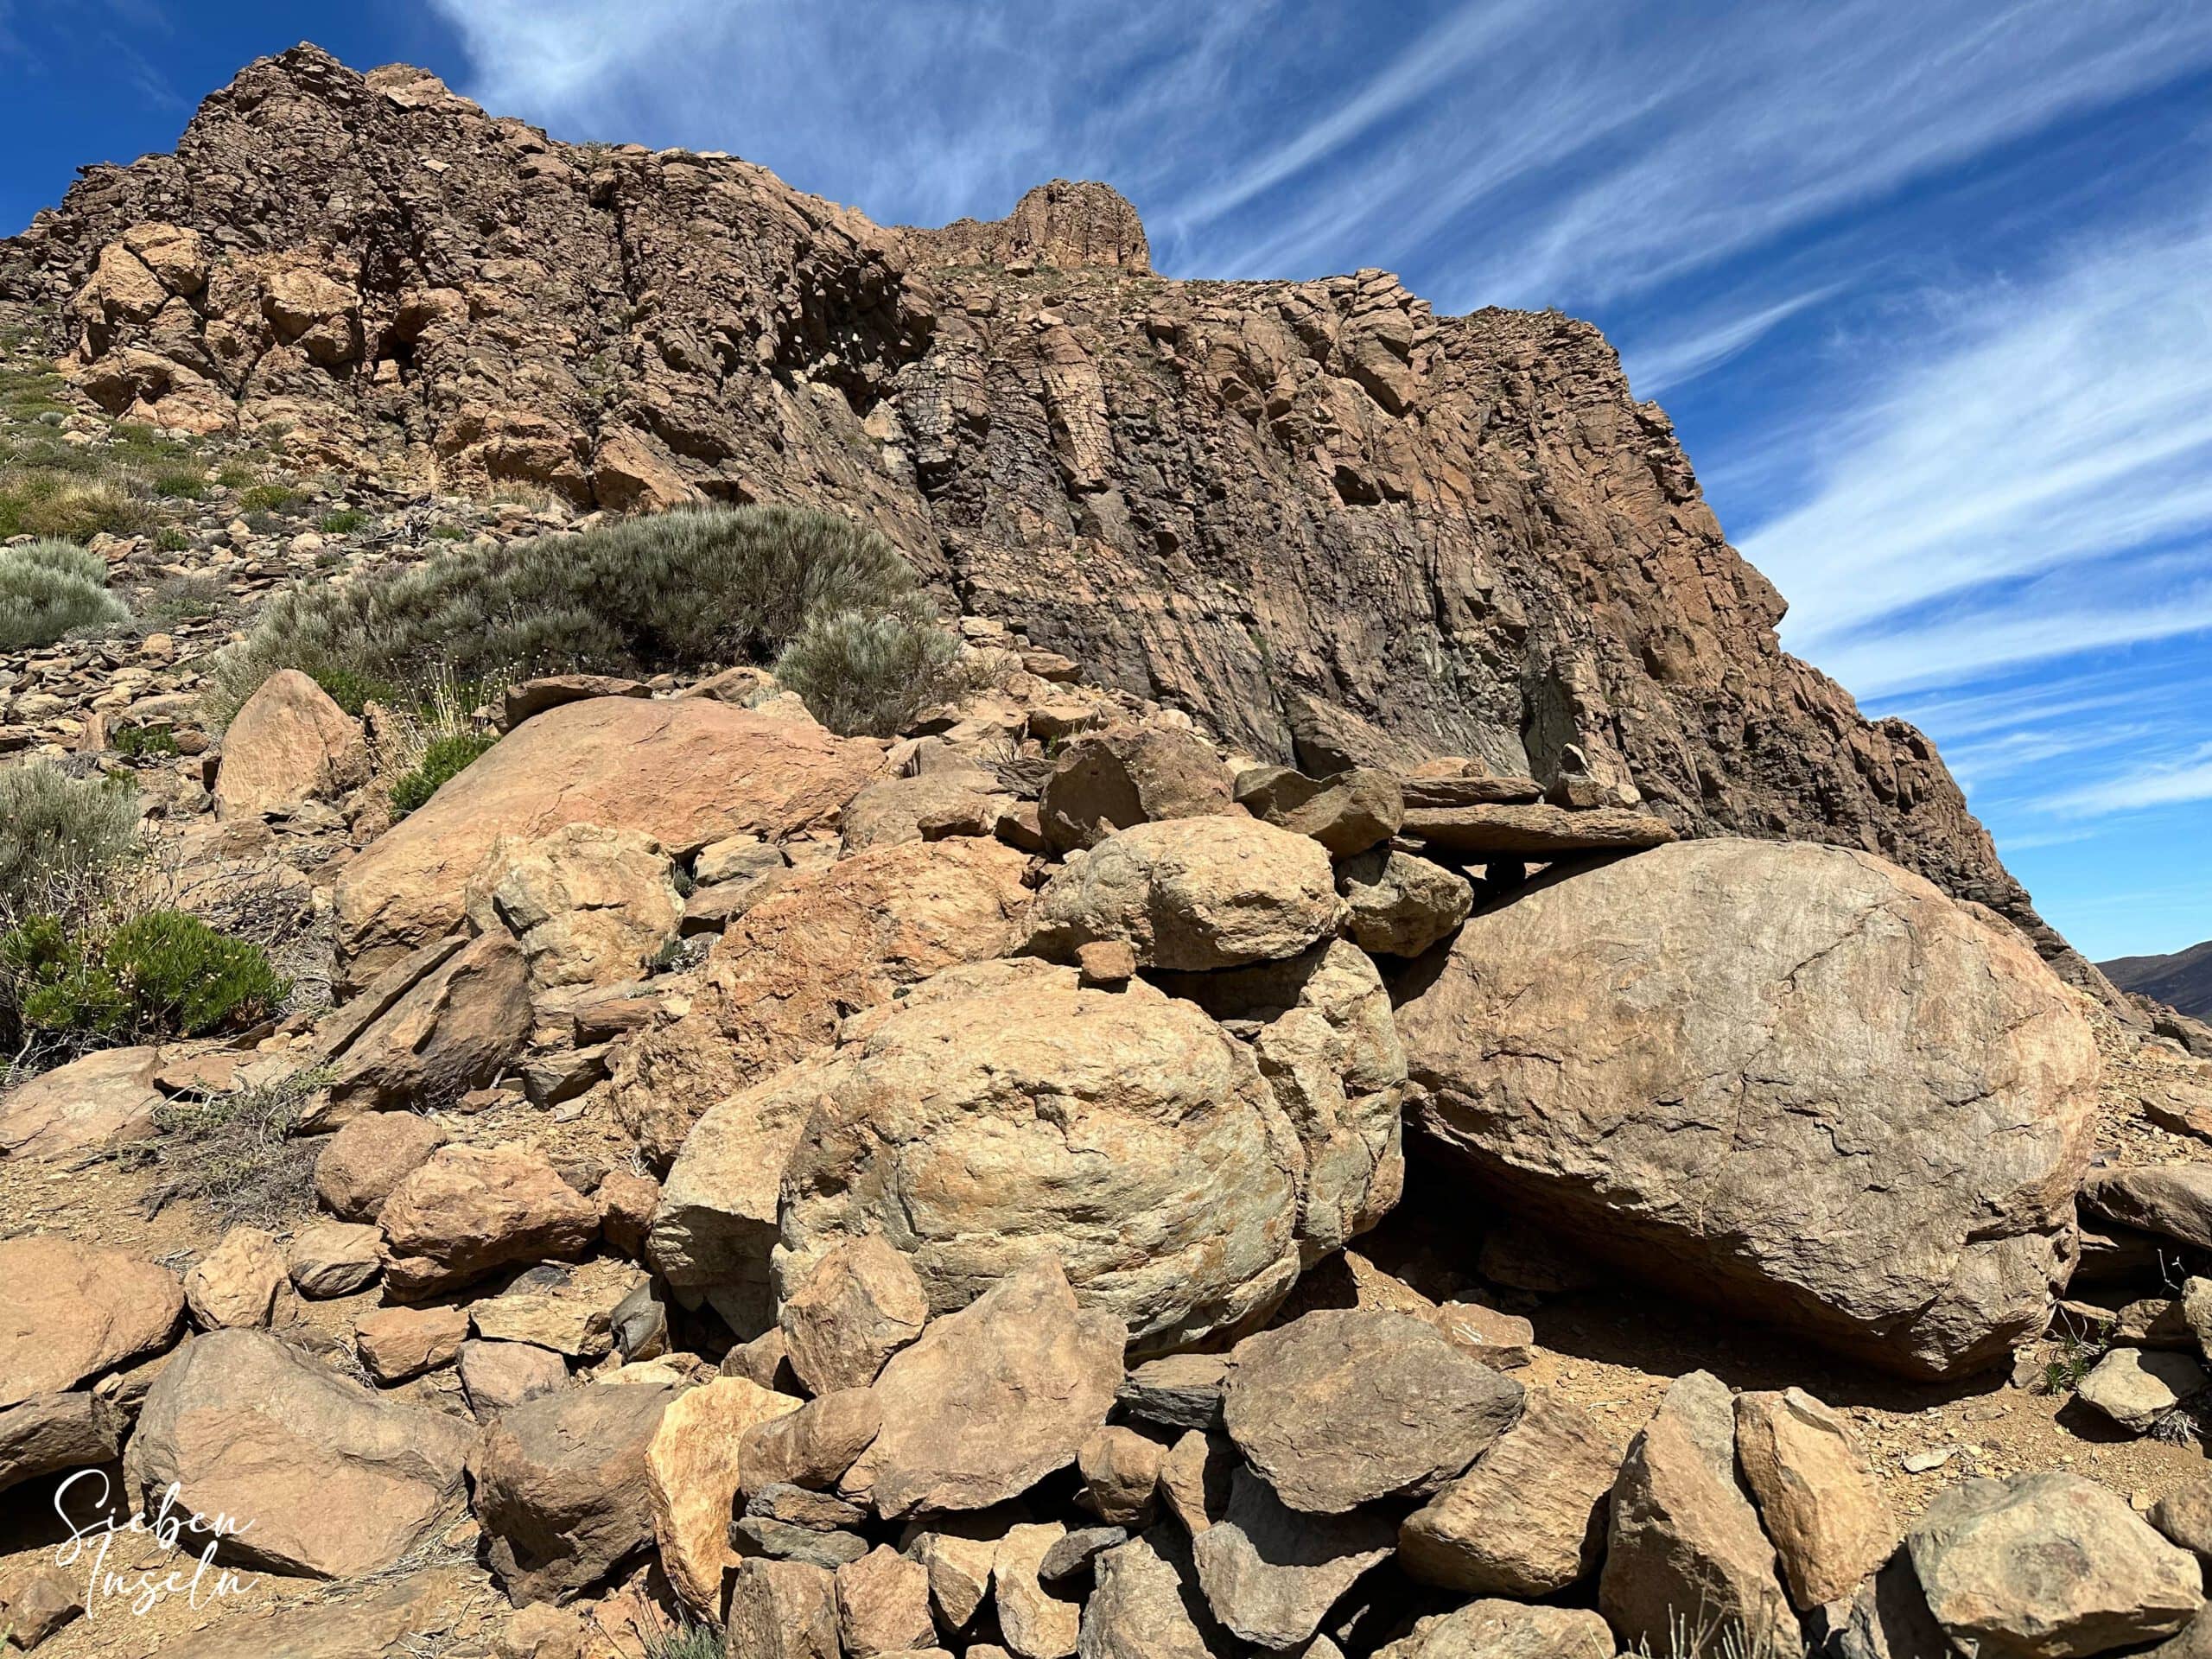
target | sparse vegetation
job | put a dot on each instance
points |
(687, 1641)
(186, 599)
(344, 522)
(235, 1154)
(682, 589)
(60, 834)
(266, 498)
(446, 758)
(51, 588)
(179, 485)
(163, 974)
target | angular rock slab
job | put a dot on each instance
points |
(2048, 1566)
(334, 1481)
(104, 1100)
(1271, 1574)
(1790, 1079)
(992, 1399)
(1142, 1605)
(2135, 1386)
(782, 1610)
(1345, 1406)
(1507, 1629)
(69, 1312)
(691, 1482)
(2172, 1200)
(1816, 1494)
(289, 743)
(1001, 1114)
(467, 1211)
(1110, 780)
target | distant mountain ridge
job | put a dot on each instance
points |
(2182, 980)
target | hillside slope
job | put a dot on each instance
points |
(1327, 522)
(2182, 980)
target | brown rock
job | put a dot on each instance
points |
(1034, 1622)
(908, 809)
(497, 1374)
(1538, 830)
(1506, 1629)
(69, 1313)
(1685, 1542)
(1401, 904)
(1194, 1478)
(1347, 813)
(335, 1258)
(1108, 781)
(1142, 1607)
(1176, 1390)
(48, 1432)
(992, 1399)
(520, 702)
(588, 906)
(456, 1028)
(470, 1210)
(1816, 1494)
(2171, 1200)
(685, 771)
(1121, 1474)
(368, 1157)
(782, 1610)
(289, 744)
(859, 1304)
(561, 1487)
(957, 1552)
(335, 1481)
(883, 1605)
(41, 1602)
(1271, 1573)
(691, 1482)
(628, 1200)
(398, 1342)
(1529, 1519)
(239, 1283)
(814, 1445)
(566, 1310)
(1343, 1407)
(91, 1105)
(1806, 1011)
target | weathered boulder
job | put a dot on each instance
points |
(1108, 781)
(1121, 1475)
(93, 1104)
(1537, 830)
(395, 1344)
(825, 945)
(369, 1156)
(588, 904)
(1684, 1541)
(1271, 1573)
(2135, 1386)
(527, 698)
(1529, 1518)
(782, 1610)
(455, 1028)
(685, 771)
(239, 1283)
(1034, 1622)
(883, 1605)
(1401, 904)
(1142, 1607)
(561, 1489)
(1816, 1494)
(1506, 1629)
(1347, 812)
(859, 1304)
(2171, 1200)
(1345, 1405)
(69, 1313)
(1320, 1027)
(48, 1432)
(468, 1209)
(813, 1447)
(2048, 1566)
(991, 1400)
(1001, 1114)
(1790, 1079)
(335, 1481)
(691, 1482)
(922, 808)
(289, 744)
(567, 1310)
(334, 1258)
(1191, 894)
(497, 1374)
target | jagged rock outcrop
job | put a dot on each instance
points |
(1362, 532)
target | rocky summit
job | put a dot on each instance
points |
(729, 932)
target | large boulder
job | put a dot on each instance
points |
(992, 1399)
(1105, 781)
(334, 1481)
(2172, 1200)
(1792, 1080)
(685, 771)
(290, 743)
(469, 1209)
(1191, 894)
(2048, 1566)
(1001, 1114)
(69, 1313)
(561, 1486)
(824, 945)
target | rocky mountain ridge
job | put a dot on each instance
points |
(2181, 979)
(1325, 522)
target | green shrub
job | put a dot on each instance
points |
(448, 533)
(682, 589)
(267, 498)
(179, 485)
(444, 759)
(137, 742)
(344, 522)
(234, 474)
(686, 1641)
(51, 588)
(56, 832)
(170, 539)
(350, 690)
(163, 974)
(74, 498)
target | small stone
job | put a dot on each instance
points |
(860, 1304)
(399, 1343)
(883, 1604)
(239, 1283)
(1120, 1473)
(2135, 1386)
(335, 1259)
(497, 1374)
(1034, 1622)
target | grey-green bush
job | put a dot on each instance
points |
(862, 672)
(51, 588)
(56, 830)
(681, 589)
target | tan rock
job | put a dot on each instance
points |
(335, 1258)
(1685, 1542)
(812, 1447)
(883, 1605)
(1401, 905)
(1271, 1573)
(588, 905)
(992, 1399)
(1505, 1629)
(1000, 1114)
(91, 1105)
(1791, 1055)
(289, 744)
(825, 945)
(469, 1209)
(1121, 1475)
(1816, 1494)
(239, 1283)
(1348, 812)
(368, 1157)
(50, 1432)
(691, 1482)
(69, 1313)
(923, 808)
(1194, 1478)
(1139, 1610)
(458, 1027)
(782, 1610)
(497, 1374)
(1537, 831)
(1529, 1519)
(1034, 1622)
(858, 1305)
(1192, 893)
(519, 701)
(335, 1481)
(399, 1343)
(685, 771)
(565, 1310)
(1108, 781)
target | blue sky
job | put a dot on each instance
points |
(1927, 288)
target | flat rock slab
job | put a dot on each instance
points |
(1271, 1573)
(1507, 1629)
(1345, 1406)
(1536, 830)
(69, 1312)
(2135, 1386)
(103, 1101)
(2172, 1200)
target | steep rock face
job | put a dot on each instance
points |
(1327, 521)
